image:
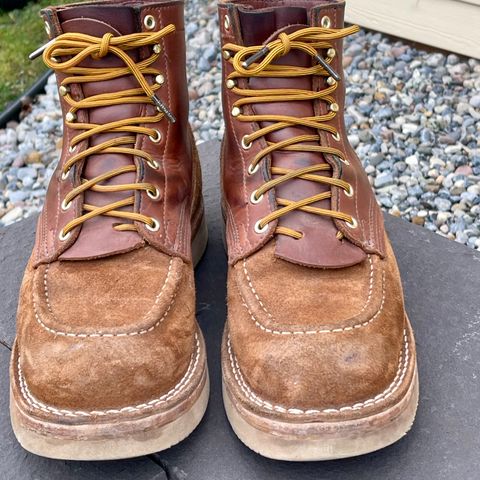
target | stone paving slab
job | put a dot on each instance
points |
(442, 285)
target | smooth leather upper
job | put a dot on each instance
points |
(96, 237)
(256, 23)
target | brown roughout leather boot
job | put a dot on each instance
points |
(318, 355)
(109, 361)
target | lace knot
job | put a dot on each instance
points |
(286, 44)
(104, 46)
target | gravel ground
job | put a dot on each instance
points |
(413, 118)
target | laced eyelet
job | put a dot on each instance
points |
(259, 229)
(226, 22)
(63, 90)
(154, 196)
(65, 206)
(253, 169)
(230, 83)
(336, 136)
(325, 22)
(149, 22)
(70, 117)
(254, 199)
(64, 236)
(331, 81)
(160, 79)
(226, 54)
(155, 227)
(246, 145)
(236, 112)
(349, 192)
(153, 164)
(334, 107)
(157, 138)
(331, 53)
(353, 224)
(72, 148)
(65, 174)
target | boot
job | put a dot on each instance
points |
(109, 361)
(318, 355)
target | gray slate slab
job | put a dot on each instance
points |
(442, 292)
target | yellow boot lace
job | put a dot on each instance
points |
(76, 47)
(257, 61)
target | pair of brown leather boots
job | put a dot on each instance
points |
(318, 355)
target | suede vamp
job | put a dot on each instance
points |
(312, 339)
(101, 334)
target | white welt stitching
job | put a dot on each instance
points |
(324, 330)
(33, 402)
(104, 334)
(310, 332)
(381, 397)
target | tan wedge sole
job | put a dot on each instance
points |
(353, 438)
(140, 441)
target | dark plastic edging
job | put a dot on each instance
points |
(13, 110)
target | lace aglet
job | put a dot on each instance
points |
(256, 56)
(163, 108)
(328, 68)
(39, 51)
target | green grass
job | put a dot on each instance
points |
(21, 32)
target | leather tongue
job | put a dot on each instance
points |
(319, 246)
(259, 25)
(97, 236)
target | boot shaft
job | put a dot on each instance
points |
(313, 67)
(95, 47)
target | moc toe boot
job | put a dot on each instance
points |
(318, 355)
(109, 361)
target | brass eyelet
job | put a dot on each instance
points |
(226, 22)
(62, 237)
(72, 148)
(349, 192)
(230, 83)
(336, 136)
(259, 229)
(254, 199)
(246, 145)
(226, 54)
(331, 53)
(153, 164)
(353, 224)
(157, 138)
(236, 112)
(325, 22)
(160, 79)
(331, 81)
(253, 169)
(63, 90)
(65, 174)
(65, 206)
(334, 107)
(154, 196)
(155, 227)
(149, 22)
(157, 48)
(70, 117)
